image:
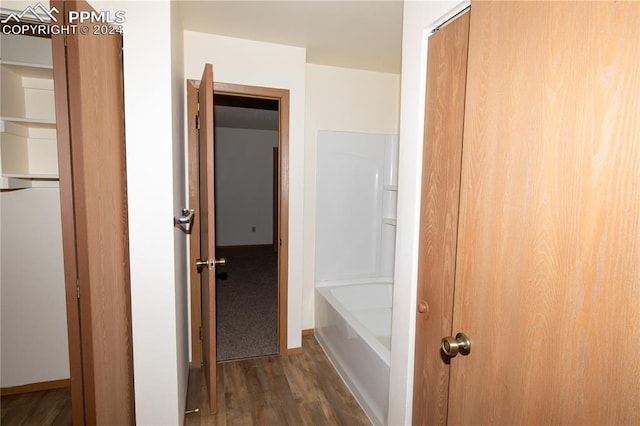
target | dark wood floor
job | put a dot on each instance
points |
(296, 390)
(50, 407)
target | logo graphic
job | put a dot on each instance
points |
(40, 20)
(33, 12)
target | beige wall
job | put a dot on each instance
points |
(341, 99)
(154, 92)
(180, 239)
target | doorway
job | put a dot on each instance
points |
(246, 137)
(32, 280)
(250, 97)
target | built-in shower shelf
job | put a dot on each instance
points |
(389, 221)
(390, 187)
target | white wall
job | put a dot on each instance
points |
(244, 186)
(418, 17)
(340, 99)
(180, 201)
(268, 65)
(34, 322)
(154, 90)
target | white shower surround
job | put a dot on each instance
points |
(355, 244)
(356, 203)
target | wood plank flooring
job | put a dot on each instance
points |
(301, 389)
(43, 408)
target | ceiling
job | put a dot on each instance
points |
(360, 34)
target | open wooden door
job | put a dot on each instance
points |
(547, 285)
(88, 79)
(207, 261)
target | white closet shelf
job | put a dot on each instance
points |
(31, 176)
(27, 114)
(11, 182)
(32, 122)
(31, 70)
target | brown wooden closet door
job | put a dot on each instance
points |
(444, 117)
(91, 142)
(548, 266)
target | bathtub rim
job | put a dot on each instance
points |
(354, 281)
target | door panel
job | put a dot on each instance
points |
(548, 266)
(91, 144)
(194, 234)
(444, 118)
(207, 231)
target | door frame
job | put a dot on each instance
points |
(281, 95)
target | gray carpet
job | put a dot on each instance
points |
(246, 303)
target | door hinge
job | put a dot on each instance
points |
(198, 116)
(201, 336)
(78, 289)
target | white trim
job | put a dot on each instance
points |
(447, 18)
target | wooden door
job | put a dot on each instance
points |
(444, 118)
(548, 267)
(91, 155)
(207, 231)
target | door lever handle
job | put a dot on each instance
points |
(210, 263)
(185, 221)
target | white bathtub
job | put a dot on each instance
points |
(353, 326)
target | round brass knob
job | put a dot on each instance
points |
(452, 346)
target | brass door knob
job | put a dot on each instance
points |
(458, 345)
